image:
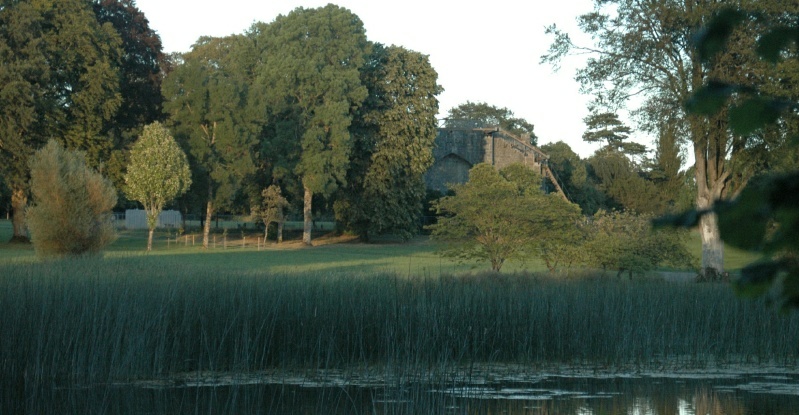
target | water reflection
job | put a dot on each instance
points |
(626, 395)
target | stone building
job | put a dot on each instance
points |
(458, 149)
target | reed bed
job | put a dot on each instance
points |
(96, 320)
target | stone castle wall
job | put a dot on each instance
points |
(457, 150)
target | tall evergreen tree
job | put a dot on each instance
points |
(606, 127)
(394, 133)
(309, 87)
(59, 79)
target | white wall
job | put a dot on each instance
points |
(137, 219)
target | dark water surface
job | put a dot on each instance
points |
(661, 394)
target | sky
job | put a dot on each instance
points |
(487, 52)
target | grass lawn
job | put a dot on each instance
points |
(417, 257)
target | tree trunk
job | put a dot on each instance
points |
(307, 217)
(150, 240)
(712, 246)
(19, 201)
(712, 176)
(280, 231)
(209, 211)
(496, 264)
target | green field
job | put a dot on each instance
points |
(417, 257)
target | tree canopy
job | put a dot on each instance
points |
(207, 101)
(272, 209)
(139, 67)
(309, 87)
(59, 79)
(158, 172)
(71, 210)
(393, 137)
(764, 218)
(626, 242)
(501, 215)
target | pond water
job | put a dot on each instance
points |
(336, 393)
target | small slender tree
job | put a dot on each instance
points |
(71, 214)
(272, 209)
(158, 172)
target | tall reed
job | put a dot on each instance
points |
(91, 320)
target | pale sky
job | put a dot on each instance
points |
(487, 53)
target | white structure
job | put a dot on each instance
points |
(137, 219)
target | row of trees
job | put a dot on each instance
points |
(306, 103)
(86, 73)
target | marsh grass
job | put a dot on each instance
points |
(91, 320)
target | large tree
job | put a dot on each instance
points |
(206, 99)
(485, 220)
(140, 77)
(309, 87)
(482, 115)
(644, 48)
(394, 133)
(58, 79)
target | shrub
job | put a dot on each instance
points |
(71, 214)
(625, 241)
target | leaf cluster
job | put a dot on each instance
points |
(752, 110)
